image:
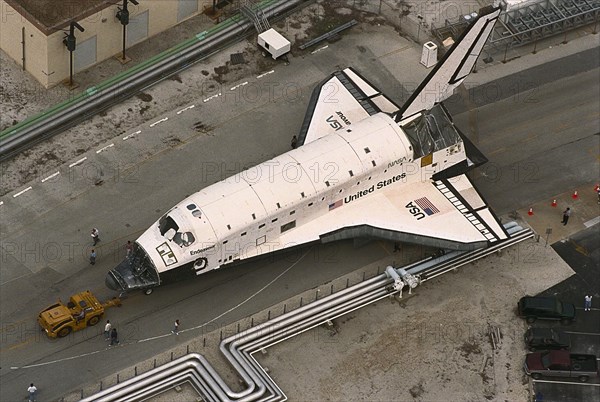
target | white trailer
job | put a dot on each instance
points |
(274, 43)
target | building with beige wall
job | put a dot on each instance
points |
(32, 31)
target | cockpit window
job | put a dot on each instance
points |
(139, 260)
(166, 223)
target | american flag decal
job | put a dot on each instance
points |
(336, 204)
(427, 206)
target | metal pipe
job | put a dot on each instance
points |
(53, 123)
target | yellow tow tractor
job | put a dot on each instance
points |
(83, 310)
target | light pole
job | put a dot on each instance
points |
(123, 16)
(71, 43)
(420, 17)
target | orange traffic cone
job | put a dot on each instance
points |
(553, 203)
(530, 212)
(575, 195)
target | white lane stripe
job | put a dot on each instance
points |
(78, 162)
(51, 176)
(211, 97)
(59, 360)
(238, 85)
(131, 135)
(22, 191)
(319, 49)
(105, 148)
(567, 382)
(159, 121)
(267, 73)
(592, 222)
(14, 279)
(186, 108)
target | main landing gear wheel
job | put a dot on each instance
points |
(148, 291)
(200, 263)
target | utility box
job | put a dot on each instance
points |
(274, 43)
(429, 55)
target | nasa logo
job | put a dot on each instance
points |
(396, 162)
(336, 125)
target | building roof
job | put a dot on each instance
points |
(50, 16)
(274, 39)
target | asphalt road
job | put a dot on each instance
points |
(539, 142)
(582, 253)
(556, 137)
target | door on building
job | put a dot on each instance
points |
(84, 54)
(137, 30)
(186, 8)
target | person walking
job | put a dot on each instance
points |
(32, 391)
(566, 215)
(107, 328)
(114, 337)
(294, 142)
(95, 236)
(176, 328)
(129, 248)
(587, 306)
(93, 257)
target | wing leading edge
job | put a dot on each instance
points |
(448, 214)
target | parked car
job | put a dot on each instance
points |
(545, 308)
(547, 339)
(560, 363)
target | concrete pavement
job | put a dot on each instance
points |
(546, 217)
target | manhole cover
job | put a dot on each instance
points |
(237, 58)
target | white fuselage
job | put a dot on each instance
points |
(252, 212)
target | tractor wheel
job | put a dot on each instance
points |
(93, 321)
(64, 332)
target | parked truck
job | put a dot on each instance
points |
(561, 363)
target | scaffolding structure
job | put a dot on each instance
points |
(256, 15)
(528, 24)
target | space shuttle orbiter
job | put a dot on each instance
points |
(365, 167)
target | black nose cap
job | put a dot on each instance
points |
(111, 282)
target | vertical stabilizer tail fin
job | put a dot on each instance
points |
(454, 67)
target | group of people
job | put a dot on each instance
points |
(110, 334)
(96, 238)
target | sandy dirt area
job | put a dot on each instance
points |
(431, 346)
